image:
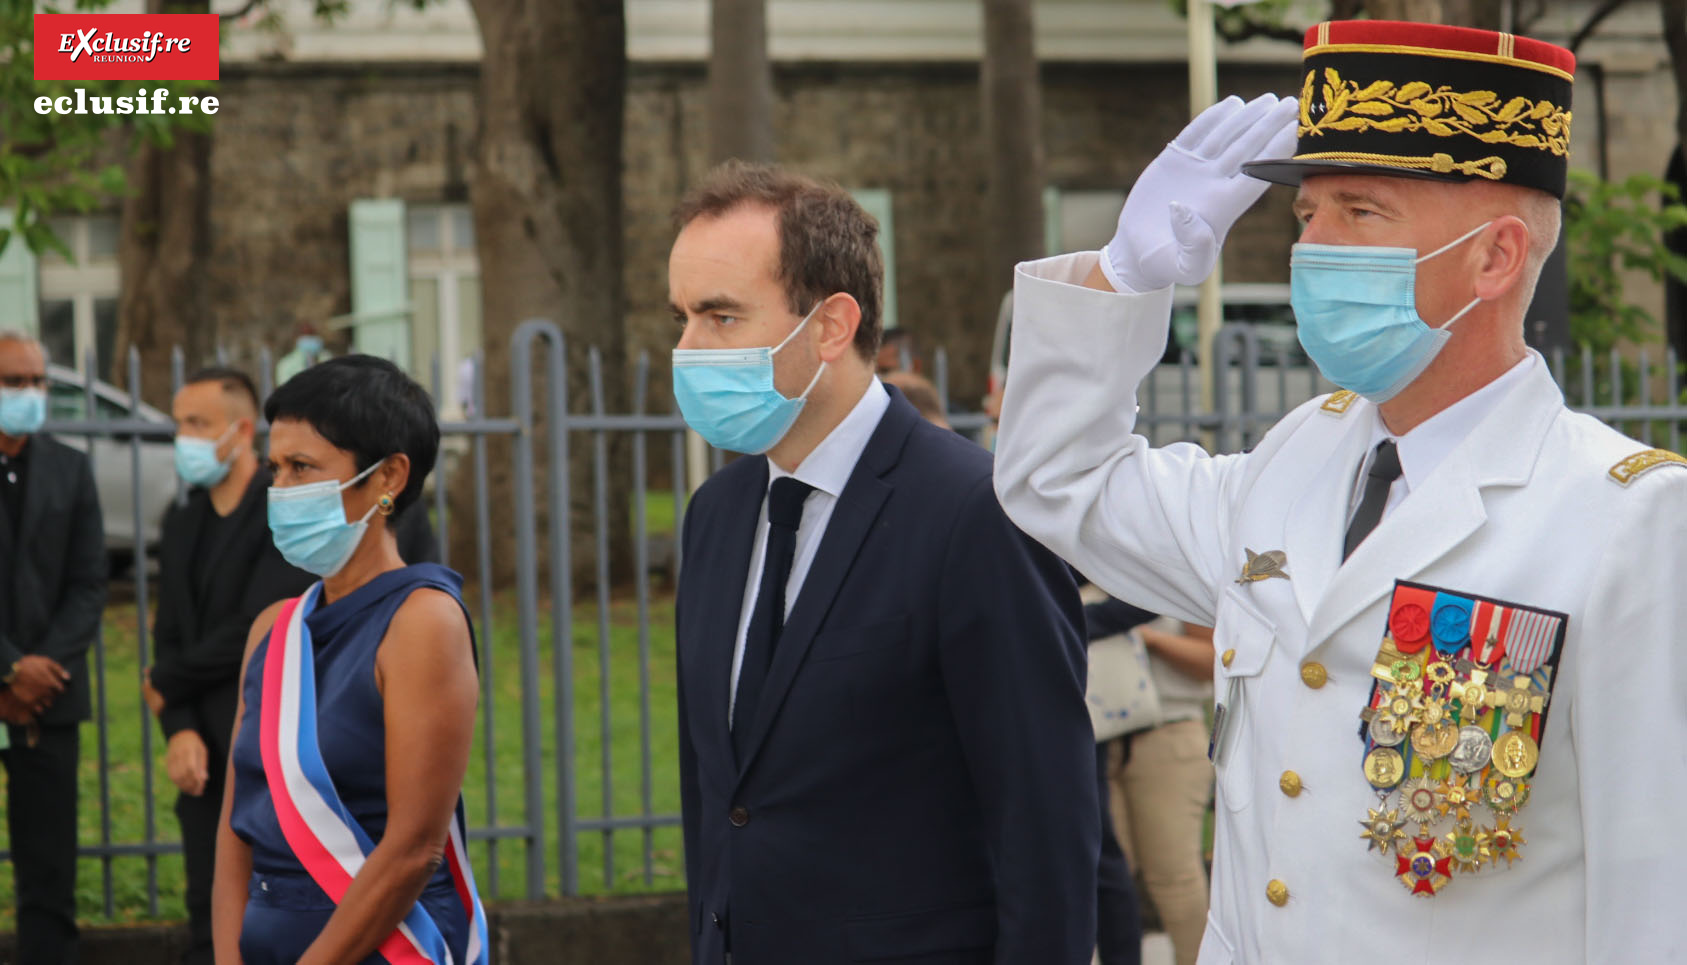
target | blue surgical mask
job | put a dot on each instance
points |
(308, 524)
(197, 462)
(22, 411)
(310, 345)
(1357, 317)
(727, 395)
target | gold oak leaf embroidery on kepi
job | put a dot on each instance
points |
(1444, 112)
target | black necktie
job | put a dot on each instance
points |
(1385, 468)
(784, 515)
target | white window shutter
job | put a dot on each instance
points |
(877, 203)
(20, 300)
(380, 283)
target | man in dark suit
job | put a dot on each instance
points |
(884, 748)
(52, 592)
(217, 570)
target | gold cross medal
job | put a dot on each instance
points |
(1452, 732)
(1264, 566)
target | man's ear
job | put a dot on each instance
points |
(838, 316)
(1505, 257)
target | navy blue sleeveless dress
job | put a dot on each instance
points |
(286, 910)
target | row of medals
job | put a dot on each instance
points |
(1470, 769)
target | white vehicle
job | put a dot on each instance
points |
(114, 471)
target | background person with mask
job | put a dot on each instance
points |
(357, 703)
(1448, 609)
(884, 747)
(308, 349)
(218, 569)
(52, 591)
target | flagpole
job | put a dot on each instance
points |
(1203, 93)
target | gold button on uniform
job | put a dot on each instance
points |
(1313, 674)
(1290, 783)
(1228, 658)
(1277, 893)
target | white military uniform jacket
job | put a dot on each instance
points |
(1529, 509)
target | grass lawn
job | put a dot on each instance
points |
(129, 820)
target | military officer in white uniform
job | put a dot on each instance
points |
(1452, 675)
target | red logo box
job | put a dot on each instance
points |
(126, 46)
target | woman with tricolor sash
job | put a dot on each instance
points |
(342, 836)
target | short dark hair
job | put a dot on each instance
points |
(368, 407)
(827, 242)
(233, 381)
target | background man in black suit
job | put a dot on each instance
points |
(217, 570)
(884, 748)
(52, 592)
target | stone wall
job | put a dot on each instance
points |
(296, 144)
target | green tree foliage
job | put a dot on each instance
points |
(53, 163)
(1611, 228)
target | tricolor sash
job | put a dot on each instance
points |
(323, 835)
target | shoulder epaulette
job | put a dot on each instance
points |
(1644, 462)
(1339, 402)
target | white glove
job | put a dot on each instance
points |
(1186, 200)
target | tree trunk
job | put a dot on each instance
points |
(546, 190)
(1675, 36)
(1013, 137)
(1675, 293)
(740, 82)
(163, 254)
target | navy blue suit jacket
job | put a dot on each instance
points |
(920, 783)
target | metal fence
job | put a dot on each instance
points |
(1253, 388)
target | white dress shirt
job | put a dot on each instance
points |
(1423, 448)
(827, 469)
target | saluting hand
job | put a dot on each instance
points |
(1174, 222)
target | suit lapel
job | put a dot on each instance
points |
(1313, 526)
(39, 473)
(8, 538)
(1448, 508)
(724, 602)
(852, 520)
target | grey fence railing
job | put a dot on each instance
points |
(1254, 386)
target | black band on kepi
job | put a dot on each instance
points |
(1429, 101)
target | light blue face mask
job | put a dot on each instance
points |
(197, 462)
(308, 524)
(22, 411)
(1357, 317)
(727, 394)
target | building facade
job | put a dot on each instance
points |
(341, 167)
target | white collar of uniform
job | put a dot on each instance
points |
(828, 467)
(1423, 448)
